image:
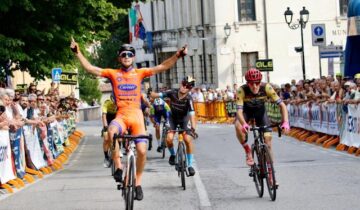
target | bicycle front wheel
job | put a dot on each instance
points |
(257, 171)
(163, 143)
(181, 164)
(130, 185)
(269, 173)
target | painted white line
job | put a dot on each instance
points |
(203, 195)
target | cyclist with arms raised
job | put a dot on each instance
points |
(182, 108)
(109, 109)
(126, 84)
(251, 99)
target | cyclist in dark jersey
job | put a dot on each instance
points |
(251, 105)
(182, 110)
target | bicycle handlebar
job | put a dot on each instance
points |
(131, 137)
(263, 128)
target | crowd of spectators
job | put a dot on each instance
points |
(33, 106)
(327, 88)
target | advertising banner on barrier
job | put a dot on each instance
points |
(33, 145)
(351, 134)
(18, 152)
(314, 117)
(6, 172)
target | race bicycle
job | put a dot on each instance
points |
(128, 184)
(180, 156)
(263, 167)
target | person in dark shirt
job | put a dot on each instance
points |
(182, 110)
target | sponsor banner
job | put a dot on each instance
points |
(6, 172)
(18, 152)
(33, 145)
(317, 117)
(351, 134)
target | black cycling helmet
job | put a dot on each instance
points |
(188, 82)
(126, 47)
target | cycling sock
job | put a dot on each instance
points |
(158, 141)
(189, 158)
(106, 155)
(246, 148)
(172, 151)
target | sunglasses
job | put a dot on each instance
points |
(254, 83)
(126, 54)
(186, 85)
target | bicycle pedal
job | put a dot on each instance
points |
(119, 186)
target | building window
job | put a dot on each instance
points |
(248, 60)
(201, 69)
(246, 10)
(211, 69)
(175, 73)
(184, 67)
(192, 66)
(343, 7)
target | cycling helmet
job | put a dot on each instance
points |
(357, 76)
(188, 81)
(126, 47)
(253, 75)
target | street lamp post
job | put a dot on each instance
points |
(304, 18)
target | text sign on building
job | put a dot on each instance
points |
(318, 34)
(331, 51)
(69, 78)
(264, 65)
(56, 74)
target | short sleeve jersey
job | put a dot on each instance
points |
(127, 86)
(109, 107)
(179, 107)
(159, 106)
(247, 100)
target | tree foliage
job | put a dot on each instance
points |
(37, 33)
(89, 87)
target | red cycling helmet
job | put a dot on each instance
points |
(253, 75)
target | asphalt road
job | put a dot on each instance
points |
(310, 177)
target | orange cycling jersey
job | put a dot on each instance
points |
(127, 86)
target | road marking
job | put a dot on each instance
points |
(203, 196)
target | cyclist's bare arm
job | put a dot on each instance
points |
(193, 121)
(240, 104)
(284, 112)
(168, 63)
(84, 62)
(103, 118)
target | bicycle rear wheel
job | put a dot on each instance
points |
(130, 185)
(269, 173)
(256, 171)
